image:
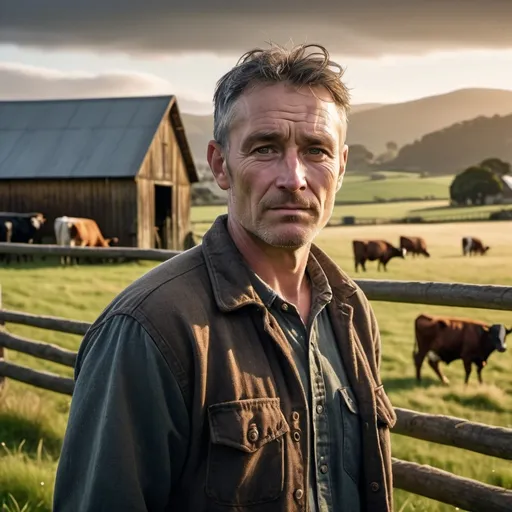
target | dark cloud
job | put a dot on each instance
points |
(19, 82)
(349, 27)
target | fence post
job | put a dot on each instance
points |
(2, 349)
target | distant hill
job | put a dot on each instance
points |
(199, 129)
(403, 123)
(375, 124)
(453, 149)
(363, 107)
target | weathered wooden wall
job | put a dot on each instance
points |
(112, 203)
(163, 165)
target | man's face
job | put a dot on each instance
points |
(284, 164)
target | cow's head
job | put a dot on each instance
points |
(399, 252)
(497, 335)
(485, 249)
(37, 220)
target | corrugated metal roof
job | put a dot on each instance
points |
(84, 138)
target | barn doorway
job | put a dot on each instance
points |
(163, 217)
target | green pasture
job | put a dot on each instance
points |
(202, 216)
(32, 421)
(396, 185)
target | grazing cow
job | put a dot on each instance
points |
(447, 339)
(25, 228)
(372, 250)
(414, 245)
(471, 245)
(79, 232)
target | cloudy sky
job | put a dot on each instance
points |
(393, 50)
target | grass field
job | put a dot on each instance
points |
(29, 416)
(396, 185)
(202, 216)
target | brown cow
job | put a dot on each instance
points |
(80, 232)
(447, 339)
(375, 250)
(86, 233)
(414, 245)
(472, 245)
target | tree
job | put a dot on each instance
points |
(474, 184)
(359, 157)
(392, 146)
(496, 165)
(389, 155)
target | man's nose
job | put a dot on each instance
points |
(292, 175)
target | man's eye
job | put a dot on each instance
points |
(264, 150)
(316, 151)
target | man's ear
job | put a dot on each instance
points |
(343, 166)
(218, 165)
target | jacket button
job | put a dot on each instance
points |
(374, 486)
(298, 494)
(253, 434)
(295, 416)
(296, 436)
(324, 468)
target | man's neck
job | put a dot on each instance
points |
(284, 270)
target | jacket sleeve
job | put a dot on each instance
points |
(127, 432)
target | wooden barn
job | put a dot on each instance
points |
(124, 162)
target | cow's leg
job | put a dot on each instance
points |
(479, 367)
(433, 361)
(418, 357)
(467, 369)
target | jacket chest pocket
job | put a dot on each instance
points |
(246, 451)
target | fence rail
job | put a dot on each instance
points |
(438, 293)
(446, 487)
(457, 432)
(51, 323)
(423, 480)
(133, 253)
(39, 379)
(354, 220)
(415, 292)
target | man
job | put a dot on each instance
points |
(243, 374)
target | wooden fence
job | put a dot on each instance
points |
(352, 220)
(424, 480)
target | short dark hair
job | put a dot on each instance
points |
(298, 66)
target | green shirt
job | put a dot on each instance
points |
(335, 469)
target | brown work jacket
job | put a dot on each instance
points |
(242, 389)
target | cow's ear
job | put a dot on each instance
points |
(508, 331)
(485, 328)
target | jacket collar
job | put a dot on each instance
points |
(231, 276)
